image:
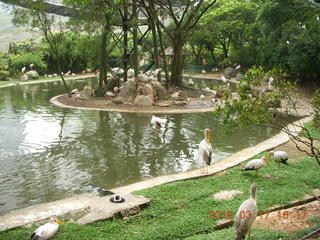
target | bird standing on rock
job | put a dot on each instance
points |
(47, 230)
(246, 214)
(205, 148)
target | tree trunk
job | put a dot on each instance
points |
(103, 67)
(135, 39)
(177, 64)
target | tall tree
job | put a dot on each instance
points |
(183, 17)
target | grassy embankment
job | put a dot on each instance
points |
(181, 210)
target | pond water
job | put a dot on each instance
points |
(48, 153)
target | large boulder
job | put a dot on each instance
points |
(147, 90)
(128, 92)
(229, 72)
(32, 74)
(161, 91)
(24, 77)
(87, 93)
(143, 78)
(143, 101)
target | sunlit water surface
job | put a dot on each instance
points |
(48, 153)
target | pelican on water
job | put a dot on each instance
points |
(158, 122)
(279, 156)
(205, 148)
(256, 164)
(246, 214)
(47, 230)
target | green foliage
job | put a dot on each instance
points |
(316, 108)
(257, 106)
(181, 209)
(17, 62)
(4, 73)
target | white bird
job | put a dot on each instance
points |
(118, 71)
(55, 74)
(246, 214)
(210, 91)
(190, 82)
(156, 72)
(205, 148)
(202, 97)
(188, 100)
(50, 75)
(238, 67)
(279, 156)
(47, 230)
(74, 91)
(215, 69)
(158, 122)
(256, 164)
(73, 74)
(223, 78)
(23, 70)
(31, 66)
(204, 71)
(115, 89)
(141, 63)
(110, 94)
(175, 95)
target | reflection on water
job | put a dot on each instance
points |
(48, 153)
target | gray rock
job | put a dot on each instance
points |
(143, 78)
(32, 74)
(128, 92)
(118, 101)
(229, 72)
(239, 76)
(143, 101)
(24, 77)
(87, 93)
(147, 90)
(161, 91)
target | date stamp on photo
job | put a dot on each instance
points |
(281, 214)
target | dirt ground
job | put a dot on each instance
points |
(289, 220)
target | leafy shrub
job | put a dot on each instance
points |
(3, 66)
(24, 60)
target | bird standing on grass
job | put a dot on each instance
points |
(256, 164)
(205, 148)
(246, 214)
(47, 230)
(279, 157)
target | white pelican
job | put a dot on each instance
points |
(223, 78)
(190, 82)
(31, 66)
(238, 67)
(246, 214)
(204, 71)
(47, 230)
(255, 164)
(158, 122)
(205, 148)
(279, 156)
(23, 70)
(202, 97)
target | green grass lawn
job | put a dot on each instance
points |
(181, 209)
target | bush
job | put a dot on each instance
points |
(316, 108)
(24, 60)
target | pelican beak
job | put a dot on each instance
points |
(57, 221)
(266, 160)
(209, 136)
